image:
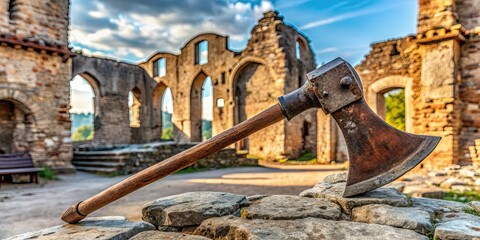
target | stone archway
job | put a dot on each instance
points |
(374, 96)
(248, 92)
(18, 126)
(196, 105)
(157, 98)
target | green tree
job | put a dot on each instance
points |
(83, 133)
(395, 108)
(167, 133)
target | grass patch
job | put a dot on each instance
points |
(306, 157)
(472, 211)
(464, 197)
(48, 173)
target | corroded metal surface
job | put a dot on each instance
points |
(378, 152)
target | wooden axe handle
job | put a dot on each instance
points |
(177, 162)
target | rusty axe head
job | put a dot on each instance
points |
(378, 153)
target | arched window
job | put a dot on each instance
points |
(16, 123)
(167, 113)
(201, 52)
(391, 107)
(207, 108)
(297, 50)
(201, 108)
(135, 107)
(82, 111)
(160, 67)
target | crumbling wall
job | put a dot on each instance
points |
(113, 81)
(247, 82)
(34, 76)
(442, 76)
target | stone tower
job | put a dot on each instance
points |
(35, 70)
(439, 70)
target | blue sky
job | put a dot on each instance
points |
(133, 30)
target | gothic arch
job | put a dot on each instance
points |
(18, 125)
(196, 106)
(375, 91)
(157, 100)
(242, 62)
(97, 90)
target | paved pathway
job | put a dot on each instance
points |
(26, 208)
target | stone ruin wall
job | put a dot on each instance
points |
(35, 71)
(439, 70)
(111, 82)
(248, 81)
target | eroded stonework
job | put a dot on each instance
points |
(35, 74)
(275, 62)
(439, 70)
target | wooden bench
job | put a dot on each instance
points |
(18, 163)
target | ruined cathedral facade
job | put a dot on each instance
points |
(438, 68)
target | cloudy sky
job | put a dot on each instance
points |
(133, 30)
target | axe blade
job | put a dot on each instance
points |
(378, 153)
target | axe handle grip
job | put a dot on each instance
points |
(177, 162)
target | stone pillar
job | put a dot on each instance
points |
(326, 138)
(438, 107)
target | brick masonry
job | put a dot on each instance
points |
(440, 72)
(438, 68)
(247, 82)
(35, 74)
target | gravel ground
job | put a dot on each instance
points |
(30, 207)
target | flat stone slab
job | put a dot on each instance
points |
(308, 228)
(402, 217)
(158, 235)
(457, 229)
(332, 187)
(117, 228)
(438, 206)
(291, 207)
(190, 209)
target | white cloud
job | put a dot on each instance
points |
(345, 16)
(136, 29)
(327, 50)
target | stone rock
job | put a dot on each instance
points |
(459, 227)
(190, 209)
(450, 182)
(154, 235)
(437, 206)
(291, 207)
(460, 216)
(336, 178)
(402, 217)
(400, 186)
(308, 228)
(334, 191)
(117, 228)
(424, 191)
(254, 198)
(475, 205)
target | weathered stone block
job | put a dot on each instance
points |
(190, 209)
(290, 207)
(307, 228)
(110, 228)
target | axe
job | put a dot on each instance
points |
(378, 153)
